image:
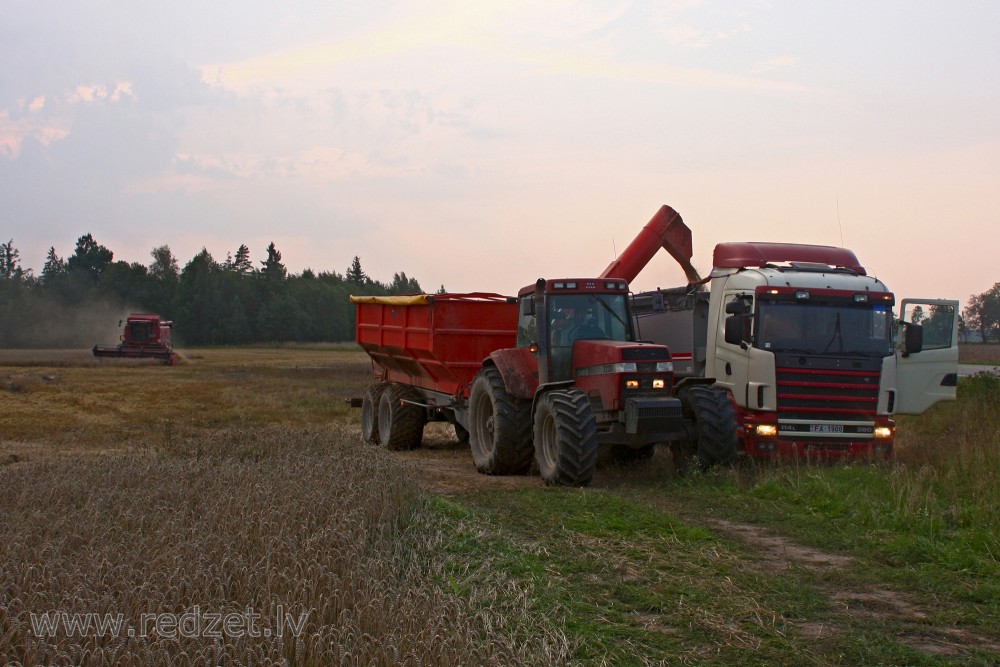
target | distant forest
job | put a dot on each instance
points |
(79, 300)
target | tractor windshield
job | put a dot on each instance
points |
(587, 316)
(574, 317)
(815, 327)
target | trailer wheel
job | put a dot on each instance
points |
(499, 427)
(400, 425)
(369, 412)
(565, 438)
(712, 424)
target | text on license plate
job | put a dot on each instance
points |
(826, 428)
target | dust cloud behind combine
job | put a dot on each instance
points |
(57, 326)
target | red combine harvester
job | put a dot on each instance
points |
(144, 336)
(801, 338)
(553, 376)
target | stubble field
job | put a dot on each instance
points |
(143, 504)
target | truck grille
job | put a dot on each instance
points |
(827, 394)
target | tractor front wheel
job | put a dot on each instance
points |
(711, 422)
(565, 438)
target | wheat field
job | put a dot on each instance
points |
(242, 525)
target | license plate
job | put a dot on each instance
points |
(826, 428)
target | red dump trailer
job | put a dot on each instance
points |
(427, 349)
(144, 336)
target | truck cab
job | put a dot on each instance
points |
(813, 355)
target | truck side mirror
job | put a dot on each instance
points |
(737, 329)
(913, 338)
(736, 307)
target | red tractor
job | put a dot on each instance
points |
(144, 336)
(551, 377)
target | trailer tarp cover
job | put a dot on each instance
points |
(412, 300)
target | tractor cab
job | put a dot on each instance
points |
(555, 314)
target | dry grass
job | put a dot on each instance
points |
(234, 484)
(979, 353)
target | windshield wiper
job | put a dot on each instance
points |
(836, 335)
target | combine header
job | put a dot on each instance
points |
(144, 336)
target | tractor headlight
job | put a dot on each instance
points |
(883, 432)
(766, 430)
(659, 383)
(631, 384)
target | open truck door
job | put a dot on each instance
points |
(926, 354)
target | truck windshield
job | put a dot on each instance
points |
(810, 327)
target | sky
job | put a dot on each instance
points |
(480, 146)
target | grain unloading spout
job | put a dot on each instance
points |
(665, 230)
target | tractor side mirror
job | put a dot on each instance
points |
(913, 338)
(528, 305)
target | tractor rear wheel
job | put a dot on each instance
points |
(711, 421)
(400, 425)
(499, 427)
(369, 412)
(565, 438)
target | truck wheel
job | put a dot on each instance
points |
(499, 427)
(400, 425)
(369, 412)
(565, 438)
(712, 424)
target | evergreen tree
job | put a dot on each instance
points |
(241, 263)
(10, 266)
(403, 285)
(55, 266)
(273, 269)
(355, 274)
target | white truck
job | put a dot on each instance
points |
(802, 339)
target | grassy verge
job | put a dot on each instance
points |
(863, 564)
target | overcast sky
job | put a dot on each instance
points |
(483, 145)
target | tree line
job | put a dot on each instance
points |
(228, 302)
(982, 315)
(234, 301)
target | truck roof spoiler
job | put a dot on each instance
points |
(746, 254)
